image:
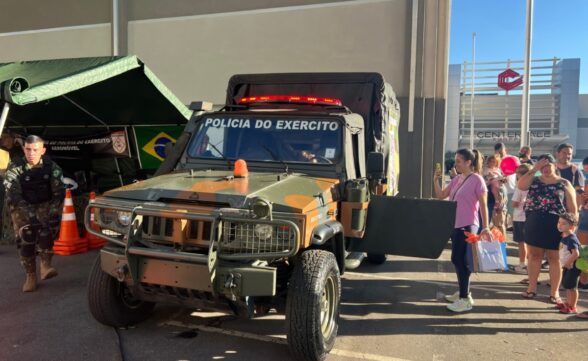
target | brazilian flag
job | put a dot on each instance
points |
(151, 142)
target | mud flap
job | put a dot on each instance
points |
(407, 227)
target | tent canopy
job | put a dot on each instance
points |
(105, 91)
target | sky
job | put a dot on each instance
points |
(560, 29)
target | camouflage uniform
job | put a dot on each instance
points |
(35, 198)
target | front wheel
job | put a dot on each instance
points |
(312, 306)
(111, 303)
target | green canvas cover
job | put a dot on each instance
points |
(112, 91)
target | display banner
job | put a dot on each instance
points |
(102, 145)
(151, 142)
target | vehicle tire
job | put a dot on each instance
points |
(376, 258)
(312, 306)
(111, 302)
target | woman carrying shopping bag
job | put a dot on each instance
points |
(469, 190)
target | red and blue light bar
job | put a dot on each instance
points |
(290, 99)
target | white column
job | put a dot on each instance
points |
(527, 76)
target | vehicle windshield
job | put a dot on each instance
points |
(287, 139)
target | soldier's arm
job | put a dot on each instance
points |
(14, 197)
(13, 191)
(57, 189)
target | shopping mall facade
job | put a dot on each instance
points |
(558, 113)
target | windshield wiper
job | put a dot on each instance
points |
(271, 152)
(221, 154)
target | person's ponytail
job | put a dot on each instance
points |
(474, 156)
(478, 161)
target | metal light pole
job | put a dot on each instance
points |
(472, 90)
(4, 115)
(526, 76)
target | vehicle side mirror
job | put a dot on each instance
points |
(375, 165)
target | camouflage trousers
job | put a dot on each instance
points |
(35, 228)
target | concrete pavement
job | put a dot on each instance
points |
(389, 312)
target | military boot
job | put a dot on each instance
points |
(46, 270)
(30, 266)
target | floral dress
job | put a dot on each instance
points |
(544, 204)
(548, 198)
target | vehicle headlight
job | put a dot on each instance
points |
(261, 208)
(124, 218)
(264, 231)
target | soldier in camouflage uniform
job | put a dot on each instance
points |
(34, 192)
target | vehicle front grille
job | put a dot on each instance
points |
(242, 239)
(177, 230)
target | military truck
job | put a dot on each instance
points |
(257, 205)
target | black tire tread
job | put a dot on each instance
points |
(304, 336)
(105, 303)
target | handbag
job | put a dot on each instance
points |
(488, 256)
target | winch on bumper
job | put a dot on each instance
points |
(165, 251)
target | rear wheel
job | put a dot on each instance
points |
(376, 258)
(112, 303)
(312, 306)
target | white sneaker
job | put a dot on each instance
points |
(454, 297)
(461, 305)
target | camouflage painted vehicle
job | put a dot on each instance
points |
(322, 166)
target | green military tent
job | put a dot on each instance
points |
(87, 96)
(105, 91)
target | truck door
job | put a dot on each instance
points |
(407, 227)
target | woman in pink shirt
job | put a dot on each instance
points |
(469, 190)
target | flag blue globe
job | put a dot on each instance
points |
(159, 146)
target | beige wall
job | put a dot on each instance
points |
(196, 55)
(22, 15)
(57, 43)
(153, 9)
(195, 46)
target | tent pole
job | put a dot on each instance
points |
(118, 172)
(4, 116)
(120, 179)
(137, 147)
(85, 111)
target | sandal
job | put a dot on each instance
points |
(583, 315)
(529, 295)
(555, 300)
(567, 309)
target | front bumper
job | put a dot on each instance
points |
(231, 280)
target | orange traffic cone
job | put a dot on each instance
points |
(94, 241)
(69, 241)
